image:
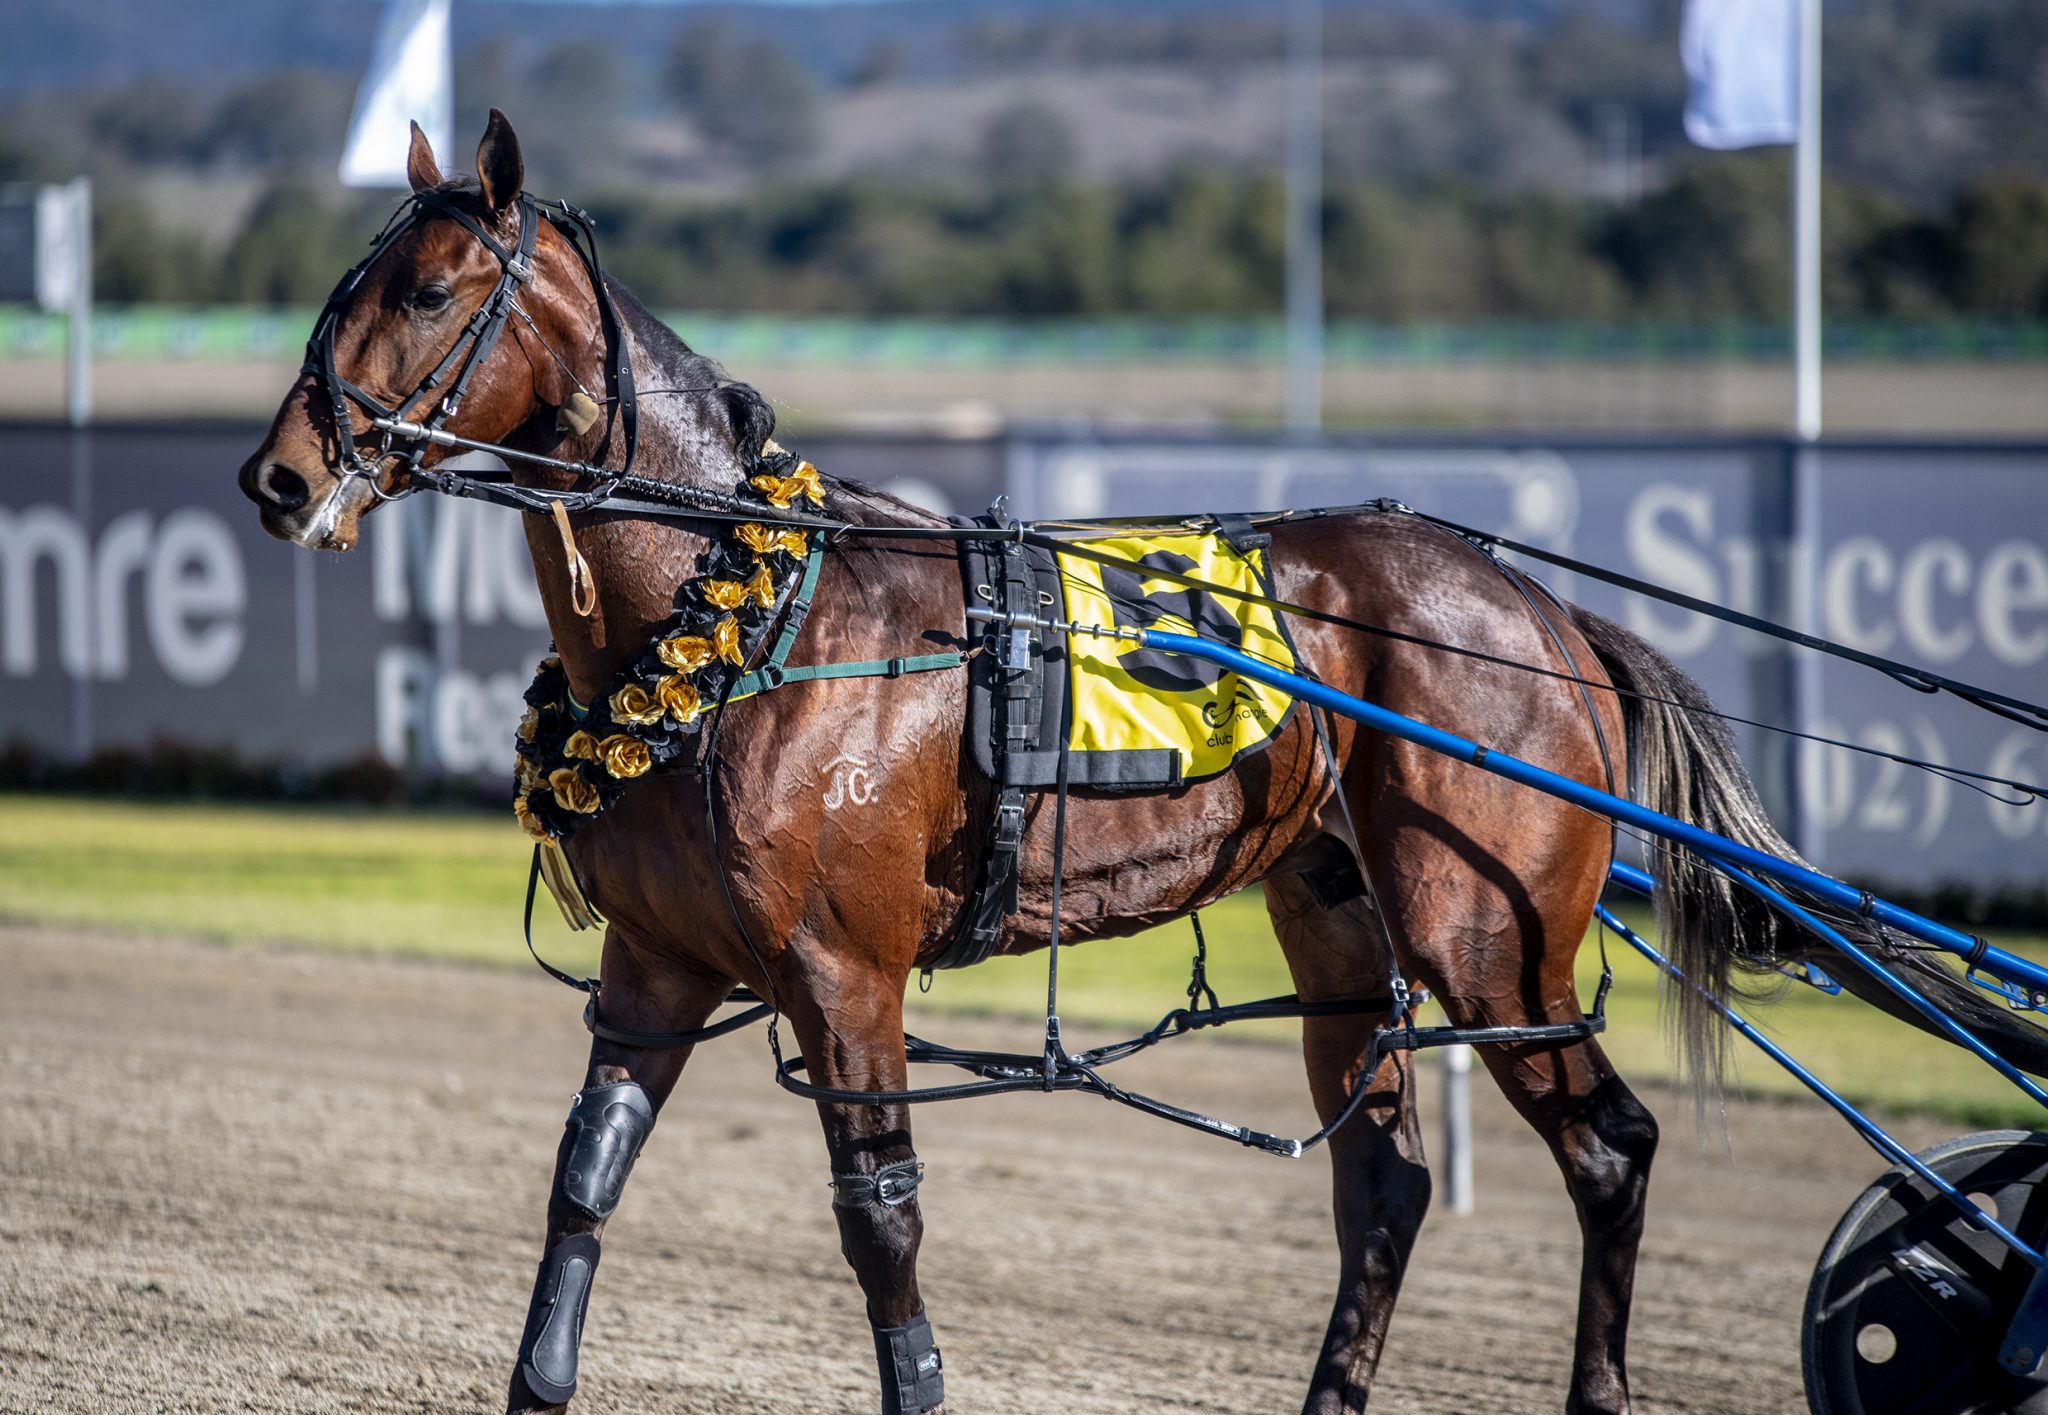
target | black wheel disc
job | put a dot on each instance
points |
(1910, 1301)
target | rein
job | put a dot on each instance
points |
(652, 499)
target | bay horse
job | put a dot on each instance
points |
(1485, 889)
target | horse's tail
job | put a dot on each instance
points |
(1683, 762)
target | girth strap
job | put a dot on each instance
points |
(1019, 674)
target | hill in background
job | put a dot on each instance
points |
(1070, 156)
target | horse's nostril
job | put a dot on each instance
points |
(283, 486)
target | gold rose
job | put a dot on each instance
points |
(781, 491)
(724, 594)
(763, 541)
(676, 695)
(572, 792)
(633, 703)
(686, 653)
(529, 724)
(528, 821)
(625, 756)
(580, 744)
(726, 638)
(761, 588)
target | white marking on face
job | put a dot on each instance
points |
(318, 533)
(852, 782)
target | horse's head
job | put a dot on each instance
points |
(446, 323)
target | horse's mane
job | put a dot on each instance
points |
(751, 414)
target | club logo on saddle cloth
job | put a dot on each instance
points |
(1128, 698)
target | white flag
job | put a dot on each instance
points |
(410, 80)
(1742, 57)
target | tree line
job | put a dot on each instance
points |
(1482, 161)
(1712, 243)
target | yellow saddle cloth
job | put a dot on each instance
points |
(1129, 698)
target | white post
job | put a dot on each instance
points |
(1806, 230)
(1304, 216)
(78, 360)
(1458, 1129)
(1806, 423)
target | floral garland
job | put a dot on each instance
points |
(570, 766)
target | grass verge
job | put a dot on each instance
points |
(451, 886)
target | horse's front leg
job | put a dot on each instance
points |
(853, 1040)
(609, 1121)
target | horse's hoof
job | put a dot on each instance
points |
(1578, 1405)
(519, 1400)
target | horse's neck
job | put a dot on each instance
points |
(635, 565)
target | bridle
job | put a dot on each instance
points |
(402, 433)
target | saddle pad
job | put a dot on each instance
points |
(1126, 697)
(1139, 719)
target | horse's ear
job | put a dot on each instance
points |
(498, 165)
(420, 168)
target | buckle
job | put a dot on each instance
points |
(772, 675)
(1014, 652)
(1009, 825)
(519, 270)
(894, 668)
(897, 1187)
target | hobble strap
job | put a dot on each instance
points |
(890, 1187)
(913, 1375)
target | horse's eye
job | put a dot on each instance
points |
(430, 298)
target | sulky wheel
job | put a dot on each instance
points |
(1910, 1302)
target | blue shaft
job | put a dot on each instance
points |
(1869, 1129)
(1705, 842)
(1937, 1020)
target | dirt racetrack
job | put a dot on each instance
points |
(276, 1181)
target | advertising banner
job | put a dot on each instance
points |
(141, 602)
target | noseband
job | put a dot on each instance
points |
(403, 435)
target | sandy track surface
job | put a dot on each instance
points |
(271, 1181)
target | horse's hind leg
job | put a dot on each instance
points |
(858, 1046)
(1494, 957)
(623, 1091)
(1380, 1181)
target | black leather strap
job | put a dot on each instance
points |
(1017, 695)
(890, 1187)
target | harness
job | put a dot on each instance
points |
(619, 490)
